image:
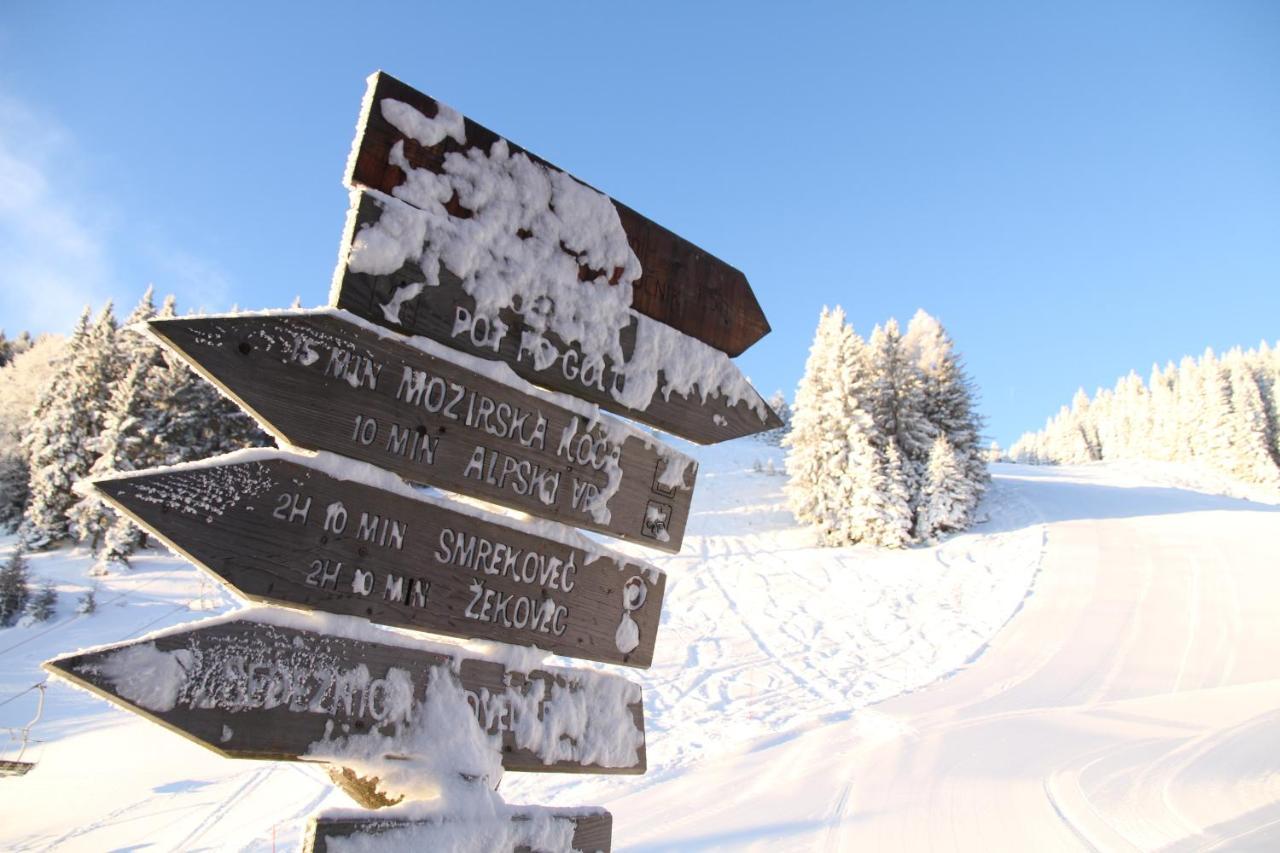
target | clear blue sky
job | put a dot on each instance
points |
(1074, 189)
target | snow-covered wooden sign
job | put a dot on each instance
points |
(328, 381)
(259, 686)
(342, 537)
(403, 134)
(526, 828)
(521, 303)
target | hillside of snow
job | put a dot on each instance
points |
(1091, 665)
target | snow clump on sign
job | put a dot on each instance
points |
(523, 236)
(435, 741)
(147, 676)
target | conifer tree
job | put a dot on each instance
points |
(1219, 411)
(948, 400)
(816, 430)
(15, 479)
(895, 524)
(67, 419)
(861, 514)
(1252, 454)
(45, 603)
(945, 500)
(15, 589)
(778, 403)
(866, 418)
(118, 448)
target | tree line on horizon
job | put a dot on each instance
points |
(1222, 411)
(883, 445)
(106, 398)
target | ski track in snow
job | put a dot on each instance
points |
(1093, 668)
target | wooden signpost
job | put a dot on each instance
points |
(281, 531)
(680, 285)
(498, 263)
(586, 829)
(715, 409)
(321, 382)
(252, 689)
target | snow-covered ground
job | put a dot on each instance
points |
(806, 698)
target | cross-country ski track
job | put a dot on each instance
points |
(1095, 667)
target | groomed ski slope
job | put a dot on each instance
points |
(1094, 666)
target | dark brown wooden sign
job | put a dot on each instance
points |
(282, 531)
(321, 382)
(402, 300)
(584, 829)
(251, 689)
(681, 285)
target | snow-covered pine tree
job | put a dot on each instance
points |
(1219, 411)
(88, 603)
(45, 602)
(1267, 370)
(862, 512)
(894, 526)
(119, 448)
(818, 422)
(948, 400)
(15, 586)
(946, 499)
(21, 383)
(778, 402)
(121, 444)
(896, 403)
(11, 348)
(15, 478)
(1161, 442)
(67, 418)
(1252, 454)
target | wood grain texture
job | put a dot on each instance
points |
(282, 532)
(322, 383)
(681, 285)
(248, 689)
(434, 314)
(592, 830)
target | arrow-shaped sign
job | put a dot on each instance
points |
(403, 133)
(326, 381)
(527, 828)
(536, 317)
(250, 688)
(285, 529)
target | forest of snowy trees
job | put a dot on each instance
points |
(1222, 411)
(104, 399)
(884, 444)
